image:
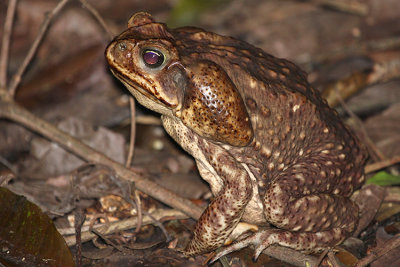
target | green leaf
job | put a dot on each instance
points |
(186, 12)
(27, 236)
(384, 179)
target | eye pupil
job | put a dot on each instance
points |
(153, 58)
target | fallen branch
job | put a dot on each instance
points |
(12, 111)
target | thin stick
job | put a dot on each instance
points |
(139, 211)
(392, 243)
(129, 162)
(122, 225)
(49, 17)
(98, 18)
(133, 132)
(381, 164)
(351, 7)
(5, 47)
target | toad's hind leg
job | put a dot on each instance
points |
(310, 214)
(300, 204)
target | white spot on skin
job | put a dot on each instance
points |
(350, 188)
(300, 177)
(276, 141)
(281, 166)
(266, 152)
(257, 145)
(326, 130)
(327, 224)
(314, 198)
(277, 154)
(301, 152)
(310, 227)
(331, 210)
(336, 191)
(296, 228)
(298, 204)
(342, 156)
(296, 107)
(302, 135)
(253, 83)
(325, 151)
(329, 146)
(271, 166)
(368, 192)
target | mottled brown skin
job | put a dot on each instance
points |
(263, 138)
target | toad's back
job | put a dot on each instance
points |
(291, 121)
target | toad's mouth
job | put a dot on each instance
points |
(136, 88)
(133, 86)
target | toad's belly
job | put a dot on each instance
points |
(254, 211)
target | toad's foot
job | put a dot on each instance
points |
(241, 230)
(306, 242)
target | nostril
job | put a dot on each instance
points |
(122, 46)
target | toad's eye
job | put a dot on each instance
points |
(152, 58)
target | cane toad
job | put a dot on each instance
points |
(263, 138)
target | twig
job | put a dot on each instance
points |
(351, 7)
(392, 243)
(321, 258)
(333, 259)
(79, 220)
(5, 47)
(148, 120)
(133, 133)
(106, 240)
(391, 197)
(384, 71)
(381, 164)
(139, 211)
(122, 225)
(17, 76)
(98, 18)
(365, 48)
(129, 162)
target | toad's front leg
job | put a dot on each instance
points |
(225, 211)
